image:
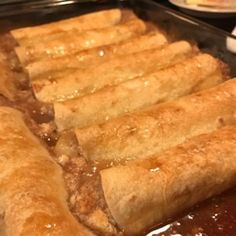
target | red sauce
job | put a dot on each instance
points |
(214, 217)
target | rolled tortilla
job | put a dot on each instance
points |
(112, 72)
(73, 41)
(95, 56)
(94, 20)
(160, 127)
(33, 196)
(146, 193)
(57, 34)
(194, 74)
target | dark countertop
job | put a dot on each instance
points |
(226, 24)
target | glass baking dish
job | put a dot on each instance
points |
(177, 25)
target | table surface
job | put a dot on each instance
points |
(226, 24)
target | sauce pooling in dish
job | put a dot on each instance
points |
(215, 217)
